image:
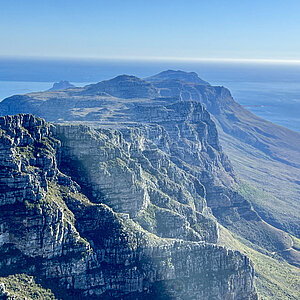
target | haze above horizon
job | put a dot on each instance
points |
(155, 59)
(221, 31)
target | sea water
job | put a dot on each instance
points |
(270, 91)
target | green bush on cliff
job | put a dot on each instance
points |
(22, 286)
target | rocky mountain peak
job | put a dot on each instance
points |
(124, 86)
(62, 85)
(188, 77)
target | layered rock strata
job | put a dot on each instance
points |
(53, 226)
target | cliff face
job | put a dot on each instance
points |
(149, 166)
(190, 138)
(63, 84)
(123, 86)
(128, 172)
(90, 212)
(232, 118)
(262, 153)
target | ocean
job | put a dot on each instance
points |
(271, 91)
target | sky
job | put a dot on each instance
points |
(151, 29)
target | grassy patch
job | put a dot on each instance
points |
(54, 198)
(275, 278)
(147, 219)
(296, 244)
(22, 286)
(273, 210)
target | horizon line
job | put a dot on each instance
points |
(158, 59)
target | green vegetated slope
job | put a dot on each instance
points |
(22, 286)
(275, 278)
(273, 186)
(262, 153)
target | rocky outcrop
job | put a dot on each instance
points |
(54, 227)
(232, 118)
(63, 84)
(123, 86)
(128, 172)
(171, 75)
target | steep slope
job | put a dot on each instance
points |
(163, 198)
(80, 247)
(276, 278)
(170, 132)
(262, 153)
(193, 146)
(234, 119)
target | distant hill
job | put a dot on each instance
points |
(189, 77)
(62, 85)
(123, 86)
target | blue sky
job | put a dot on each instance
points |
(187, 29)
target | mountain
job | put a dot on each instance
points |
(170, 75)
(123, 86)
(82, 239)
(63, 84)
(148, 156)
(262, 153)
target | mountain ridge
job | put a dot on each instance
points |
(189, 77)
(62, 234)
(184, 120)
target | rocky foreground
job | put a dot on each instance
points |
(122, 221)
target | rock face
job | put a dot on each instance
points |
(104, 207)
(123, 86)
(178, 103)
(128, 172)
(109, 213)
(171, 75)
(63, 84)
(262, 153)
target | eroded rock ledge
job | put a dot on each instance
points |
(135, 225)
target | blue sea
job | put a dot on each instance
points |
(270, 91)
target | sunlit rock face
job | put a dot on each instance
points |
(111, 213)
(128, 172)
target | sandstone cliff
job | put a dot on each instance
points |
(113, 231)
(150, 150)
